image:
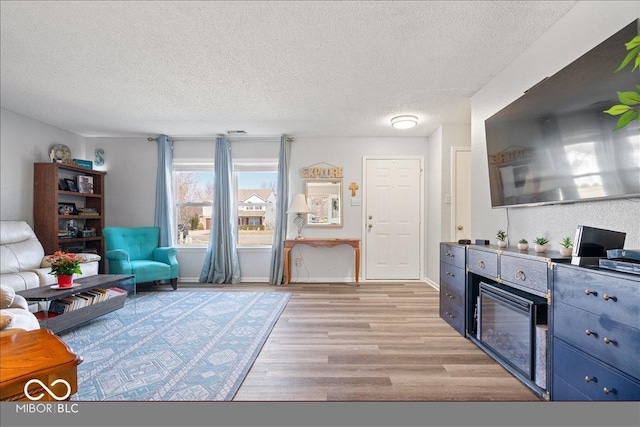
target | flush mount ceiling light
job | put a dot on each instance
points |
(404, 122)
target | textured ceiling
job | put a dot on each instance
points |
(115, 68)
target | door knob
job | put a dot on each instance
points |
(370, 216)
(370, 226)
(460, 227)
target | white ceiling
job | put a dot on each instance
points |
(322, 68)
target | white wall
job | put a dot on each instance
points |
(337, 264)
(438, 172)
(581, 29)
(23, 142)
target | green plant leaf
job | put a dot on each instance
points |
(637, 63)
(616, 110)
(629, 98)
(626, 118)
(633, 43)
(634, 52)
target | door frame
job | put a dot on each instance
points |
(454, 151)
(363, 263)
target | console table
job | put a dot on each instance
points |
(289, 244)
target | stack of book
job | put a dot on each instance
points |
(88, 211)
(82, 299)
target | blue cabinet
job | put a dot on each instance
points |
(596, 334)
(452, 285)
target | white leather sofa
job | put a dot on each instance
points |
(22, 258)
(14, 313)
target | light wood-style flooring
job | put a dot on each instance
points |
(376, 342)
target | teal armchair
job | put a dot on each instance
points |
(134, 250)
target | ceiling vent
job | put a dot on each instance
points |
(236, 132)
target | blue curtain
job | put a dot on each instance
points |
(276, 273)
(221, 263)
(164, 216)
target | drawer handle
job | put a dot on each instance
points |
(608, 297)
(590, 292)
(451, 274)
(450, 255)
(608, 390)
(609, 341)
(590, 379)
(480, 264)
(449, 295)
(590, 332)
(449, 315)
(520, 275)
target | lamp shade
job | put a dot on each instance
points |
(404, 122)
(298, 204)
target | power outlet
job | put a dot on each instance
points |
(298, 262)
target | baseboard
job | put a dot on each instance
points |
(433, 284)
(242, 280)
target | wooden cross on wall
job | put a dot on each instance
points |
(353, 187)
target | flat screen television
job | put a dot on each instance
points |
(555, 144)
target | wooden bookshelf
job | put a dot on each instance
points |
(48, 221)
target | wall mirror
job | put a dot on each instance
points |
(324, 198)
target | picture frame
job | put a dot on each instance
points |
(71, 184)
(85, 184)
(67, 209)
(62, 185)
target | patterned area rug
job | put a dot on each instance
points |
(174, 346)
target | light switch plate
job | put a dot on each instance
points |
(355, 202)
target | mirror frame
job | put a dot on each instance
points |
(326, 201)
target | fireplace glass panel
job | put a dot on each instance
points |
(506, 327)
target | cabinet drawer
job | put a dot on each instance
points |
(590, 333)
(612, 296)
(483, 263)
(528, 273)
(453, 255)
(452, 316)
(453, 276)
(452, 296)
(586, 376)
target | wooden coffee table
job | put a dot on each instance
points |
(73, 318)
(41, 359)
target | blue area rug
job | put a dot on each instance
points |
(174, 346)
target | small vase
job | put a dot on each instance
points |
(502, 244)
(540, 248)
(566, 251)
(65, 281)
(523, 246)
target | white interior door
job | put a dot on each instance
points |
(461, 197)
(393, 215)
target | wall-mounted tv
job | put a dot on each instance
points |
(555, 144)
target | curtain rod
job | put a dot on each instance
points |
(231, 138)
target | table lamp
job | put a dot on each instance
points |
(299, 206)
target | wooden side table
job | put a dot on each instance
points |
(41, 356)
(289, 244)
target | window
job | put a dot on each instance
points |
(193, 194)
(256, 199)
(255, 185)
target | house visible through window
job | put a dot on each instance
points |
(255, 196)
(193, 194)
